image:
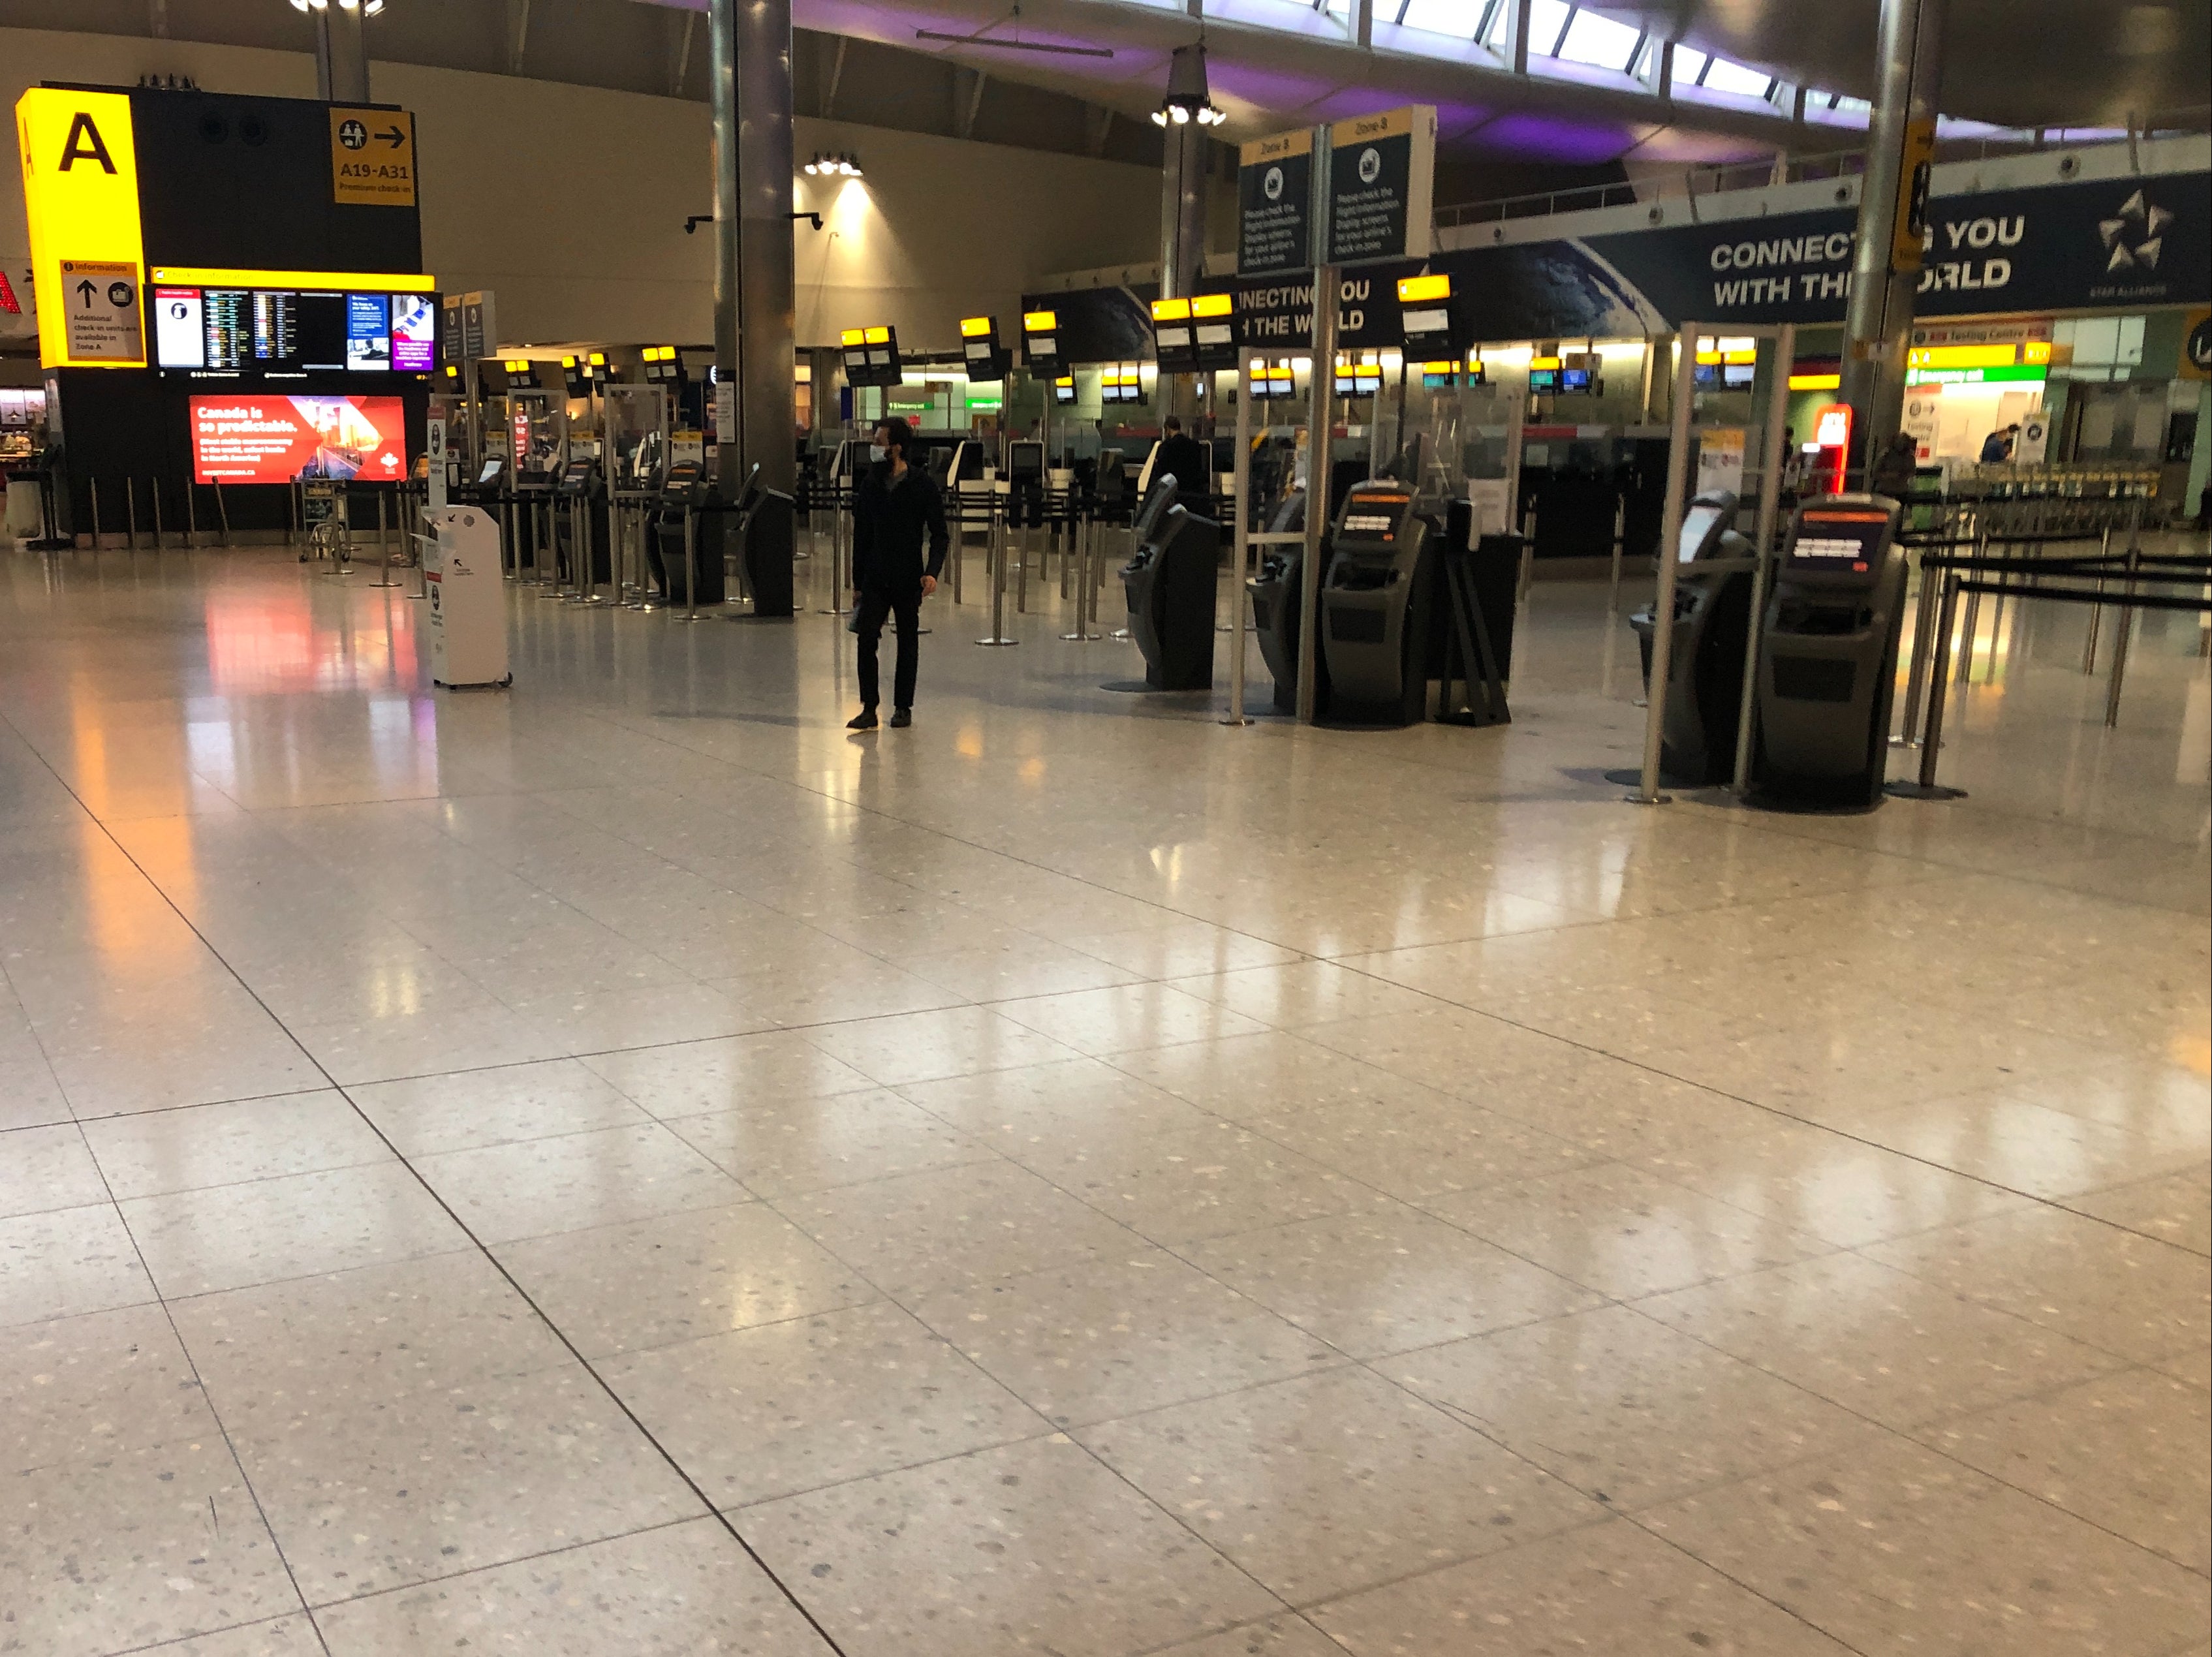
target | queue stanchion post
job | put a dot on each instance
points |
(1239, 584)
(690, 565)
(1939, 681)
(192, 518)
(2123, 628)
(2096, 611)
(130, 514)
(155, 485)
(995, 575)
(1916, 671)
(383, 547)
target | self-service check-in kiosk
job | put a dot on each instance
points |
(1375, 600)
(580, 520)
(1169, 586)
(1828, 663)
(1275, 606)
(763, 523)
(1712, 625)
(676, 545)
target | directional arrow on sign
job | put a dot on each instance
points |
(396, 138)
(85, 291)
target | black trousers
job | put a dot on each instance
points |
(875, 608)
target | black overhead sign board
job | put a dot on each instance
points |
(1274, 205)
(1381, 178)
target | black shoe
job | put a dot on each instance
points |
(901, 718)
(863, 720)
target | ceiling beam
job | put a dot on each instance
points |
(679, 50)
(831, 77)
(967, 86)
(157, 18)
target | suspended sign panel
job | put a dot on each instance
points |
(1274, 204)
(81, 200)
(1383, 174)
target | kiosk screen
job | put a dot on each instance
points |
(1699, 525)
(1374, 517)
(1154, 509)
(489, 475)
(1838, 539)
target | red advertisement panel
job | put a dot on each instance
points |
(273, 440)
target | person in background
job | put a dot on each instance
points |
(1892, 474)
(1996, 447)
(1183, 458)
(895, 508)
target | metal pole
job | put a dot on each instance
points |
(383, 547)
(1320, 424)
(1886, 266)
(1670, 533)
(2096, 611)
(1239, 584)
(1770, 513)
(995, 572)
(690, 565)
(1938, 682)
(92, 487)
(130, 514)
(222, 511)
(192, 520)
(2125, 624)
(1916, 674)
(154, 484)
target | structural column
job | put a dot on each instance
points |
(340, 56)
(1185, 152)
(722, 97)
(1885, 262)
(768, 419)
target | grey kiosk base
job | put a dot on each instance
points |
(1828, 663)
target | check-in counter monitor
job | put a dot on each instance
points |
(1827, 665)
(1713, 627)
(1169, 584)
(1375, 600)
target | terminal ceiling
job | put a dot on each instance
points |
(1284, 63)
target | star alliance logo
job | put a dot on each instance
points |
(2134, 237)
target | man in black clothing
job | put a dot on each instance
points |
(1182, 459)
(895, 507)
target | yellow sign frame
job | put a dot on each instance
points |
(80, 158)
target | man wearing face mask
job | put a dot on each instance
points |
(893, 508)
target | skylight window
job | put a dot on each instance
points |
(1457, 17)
(1689, 64)
(1722, 75)
(1547, 22)
(1592, 38)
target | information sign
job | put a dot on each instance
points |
(372, 157)
(101, 300)
(1381, 185)
(1274, 204)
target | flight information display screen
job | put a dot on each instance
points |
(1838, 538)
(286, 332)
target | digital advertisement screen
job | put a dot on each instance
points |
(414, 333)
(368, 332)
(274, 440)
(1543, 379)
(1575, 379)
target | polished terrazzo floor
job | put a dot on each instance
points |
(621, 1166)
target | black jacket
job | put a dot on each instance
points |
(888, 522)
(1185, 458)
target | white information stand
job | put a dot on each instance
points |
(468, 599)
